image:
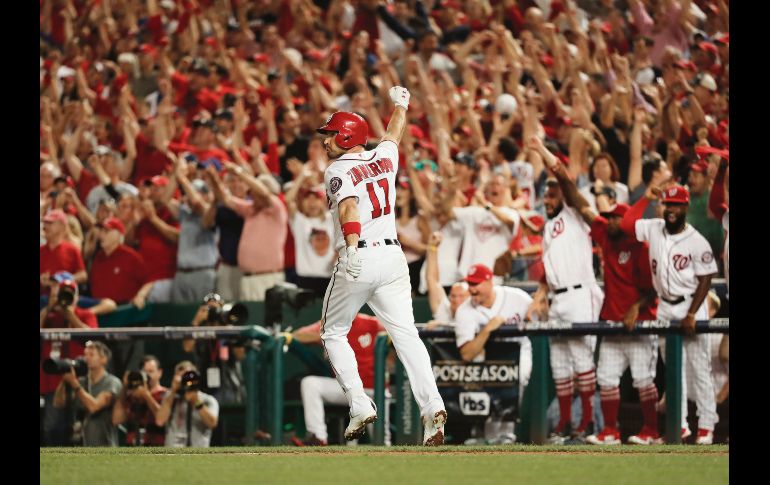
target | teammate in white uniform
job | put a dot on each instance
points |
(682, 265)
(442, 308)
(361, 187)
(574, 297)
(489, 308)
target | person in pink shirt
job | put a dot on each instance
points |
(668, 27)
(260, 250)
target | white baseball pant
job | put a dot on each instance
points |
(317, 391)
(383, 284)
(574, 355)
(696, 357)
(616, 353)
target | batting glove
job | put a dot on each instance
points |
(400, 95)
(353, 267)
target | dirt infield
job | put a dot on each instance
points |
(409, 450)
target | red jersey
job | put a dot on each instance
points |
(64, 257)
(149, 160)
(626, 271)
(62, 350)
(118, 276)
(159, 253)
(361, 337)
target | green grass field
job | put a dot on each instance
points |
(396, 465)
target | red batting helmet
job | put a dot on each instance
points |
(351, 129)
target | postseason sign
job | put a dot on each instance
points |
(466, 375)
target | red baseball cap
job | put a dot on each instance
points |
(683, 64)
(56, 215)
(114, 223)
(159, 180)
(700, 166)
(478, 273)
(315, 55)
(617, 210)
(708, 47)
(676, 195)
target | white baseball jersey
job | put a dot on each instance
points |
(676, 260)
(369, 176)
(510, 303)
(567, 252)
(726, 226)
(444, 313)
(312, 261)
(484, 236)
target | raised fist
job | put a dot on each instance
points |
(400, 96)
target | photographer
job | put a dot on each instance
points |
(189, 414)
(139, 402)
(61, 311)
(95, 393)
(221, 359)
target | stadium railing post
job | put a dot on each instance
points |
(276, 373)
(380, 355)
(674, 388)
(538, 387)
(252, 398)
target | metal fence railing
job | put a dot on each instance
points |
(264, 368)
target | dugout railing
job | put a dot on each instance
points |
(407, 418)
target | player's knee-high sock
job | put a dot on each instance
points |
(610, 404)
(648, 397)
(564, 390)
(587, 387)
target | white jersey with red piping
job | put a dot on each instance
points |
(370, 177)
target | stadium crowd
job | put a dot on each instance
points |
(179, 153)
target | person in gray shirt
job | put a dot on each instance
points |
(95, 394)
(197, 254)
(189, 414)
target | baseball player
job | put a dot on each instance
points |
(629, 296)
(490, 307)
(319, 390)
(682, 265)
(442, 307)
(570, 293)
(361, 189)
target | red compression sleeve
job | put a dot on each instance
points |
(717, 204)
(628, 224)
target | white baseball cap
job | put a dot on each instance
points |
(707, 81)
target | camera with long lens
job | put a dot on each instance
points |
(228, 314)
(135, 379)
(191, 381)
(63, 366)
(66, 295)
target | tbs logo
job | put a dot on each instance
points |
(474, 403)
